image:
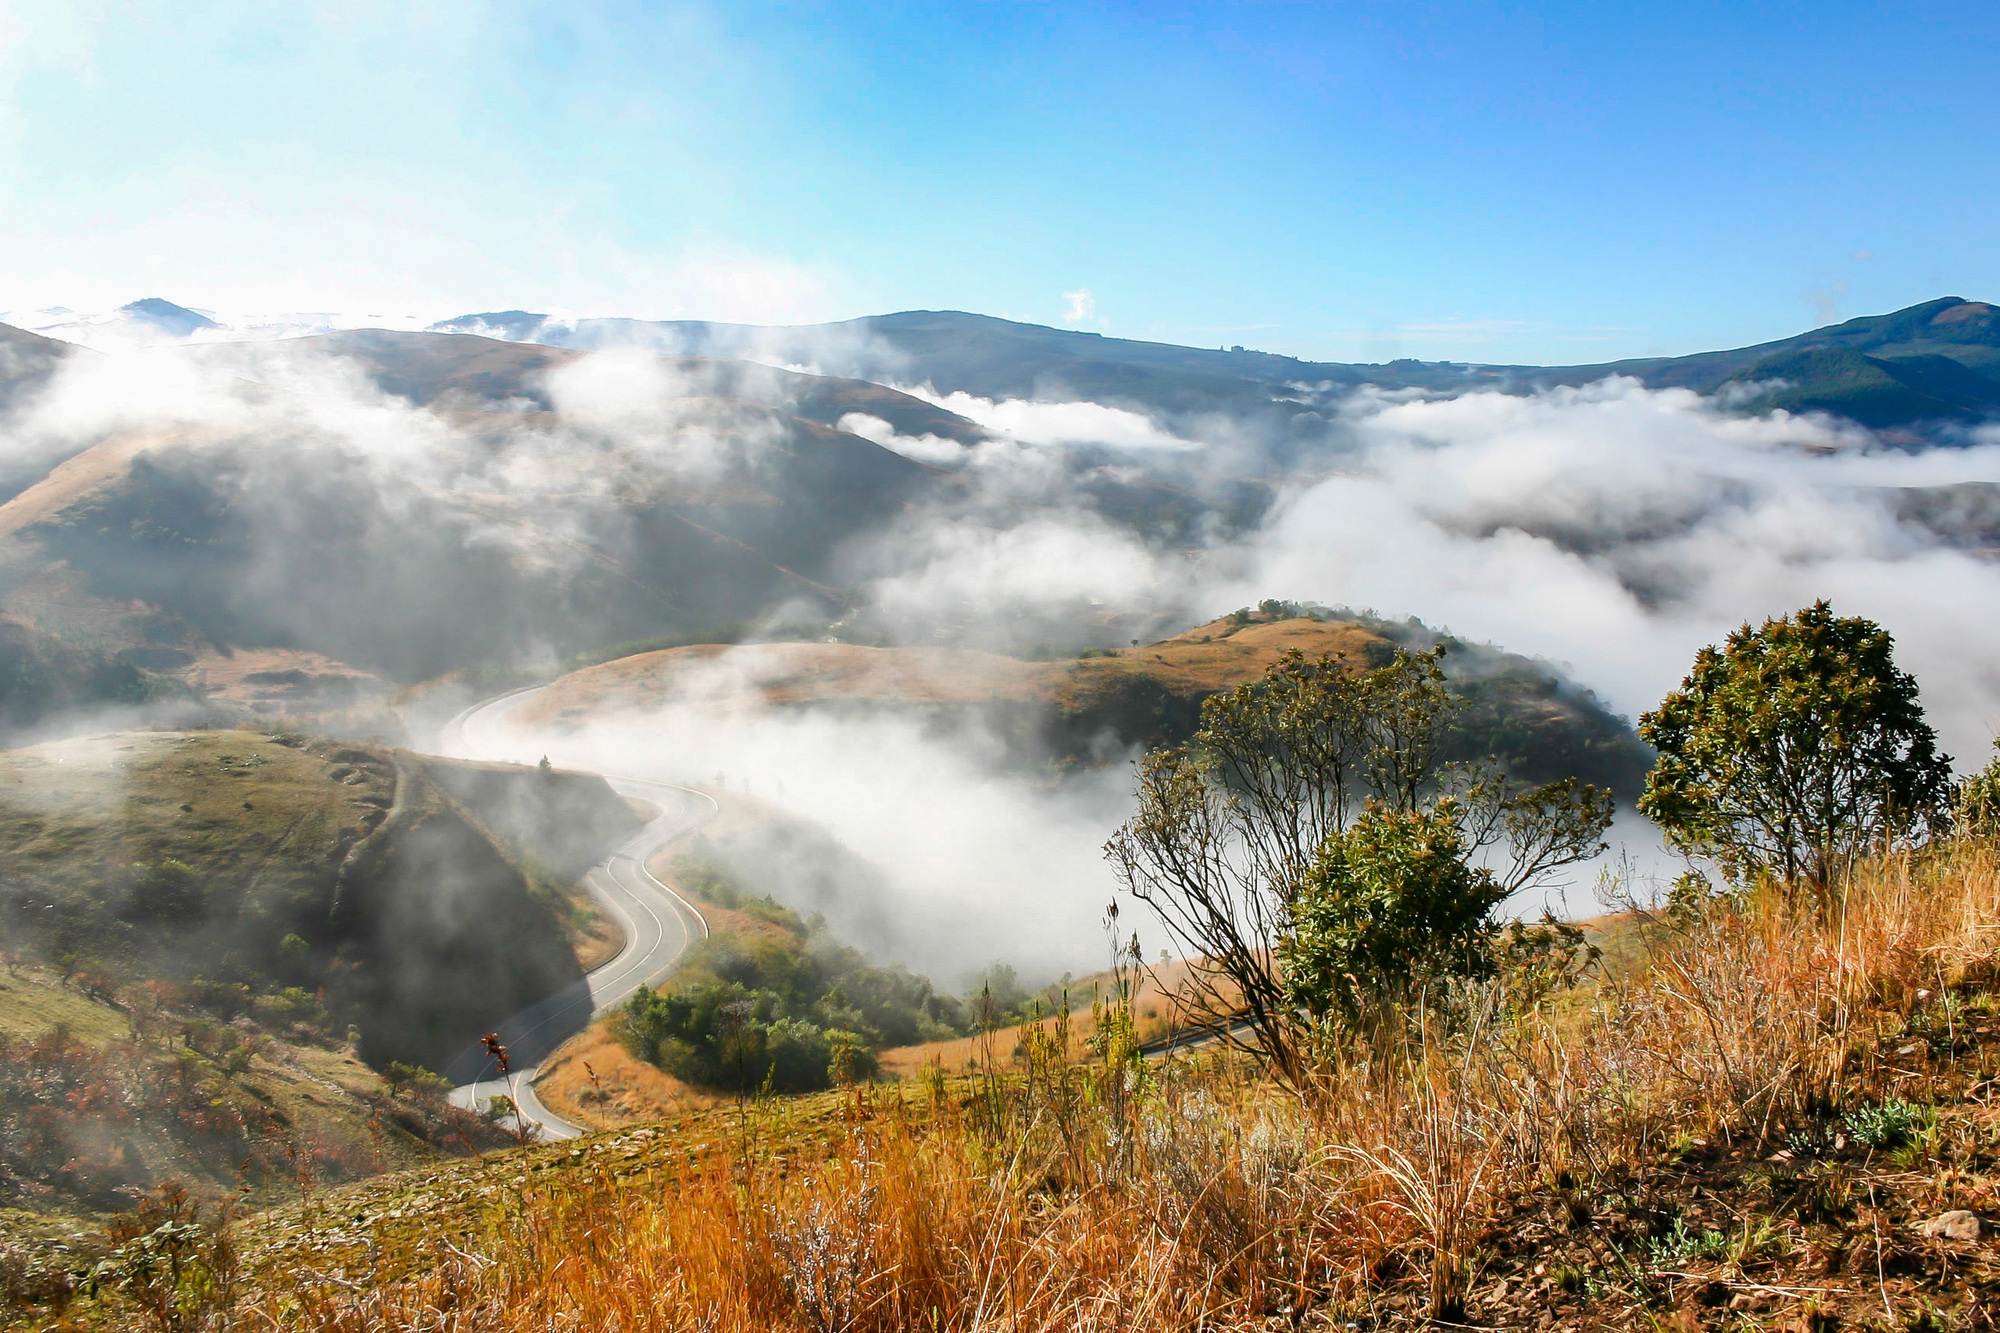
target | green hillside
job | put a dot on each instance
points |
(1871, 390)
(301, 884)
(108, 1089)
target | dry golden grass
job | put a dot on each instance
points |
(1159, 1010)
(1207, 658)
(593, 1081)
(1083, 1189)
(225, 676)
(95, 469)
(1215, 656)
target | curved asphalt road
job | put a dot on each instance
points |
(658, 923)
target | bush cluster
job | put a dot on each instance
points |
(784, 1006)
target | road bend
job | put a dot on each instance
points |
(659, 927)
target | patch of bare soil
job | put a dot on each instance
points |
(281, 680)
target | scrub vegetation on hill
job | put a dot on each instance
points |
(230, 954)
(1098, 705)
(1764, 1117)
(110, 1090)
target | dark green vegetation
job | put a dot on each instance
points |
(299, 886)
(1874, 391)
(1388, 906)
(778, 1003)
(1794, 750)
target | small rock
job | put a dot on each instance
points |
(1958, 1224)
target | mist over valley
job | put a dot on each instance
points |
(1007, 545)
(703, 711)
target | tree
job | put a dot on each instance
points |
(1240, 829)
(1792, 749)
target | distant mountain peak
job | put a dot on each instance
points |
(512, 325)
(174, 320)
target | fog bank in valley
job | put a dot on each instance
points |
(1610, 528)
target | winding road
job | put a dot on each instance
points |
(659, 926)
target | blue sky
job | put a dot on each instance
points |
(1562, 182)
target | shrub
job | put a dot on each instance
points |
(1978, 805)
(1389, 907)
(1887, 1124)
(721, 1035)
(415, 1081)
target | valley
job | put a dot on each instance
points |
(731, 723)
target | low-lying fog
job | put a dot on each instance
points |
(1611, 529)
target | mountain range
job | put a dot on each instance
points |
(1934, 362)
(332, 516)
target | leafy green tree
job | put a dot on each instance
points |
(1241, 842)
(1792, 749)
(1390, 906)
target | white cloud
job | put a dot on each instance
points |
(923, 448)
(1059, 423)
(959, 565)
(1619, 529)
(978, 866)
(1082, 306)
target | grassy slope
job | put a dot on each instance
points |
(1096, 707)
(166, 890)
(1625, 1182)
(416, 911)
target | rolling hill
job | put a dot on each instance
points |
(220, 944)
(134, 570)
(418, 900)
(1095, 709)
(1936, 361)
(268, 561)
